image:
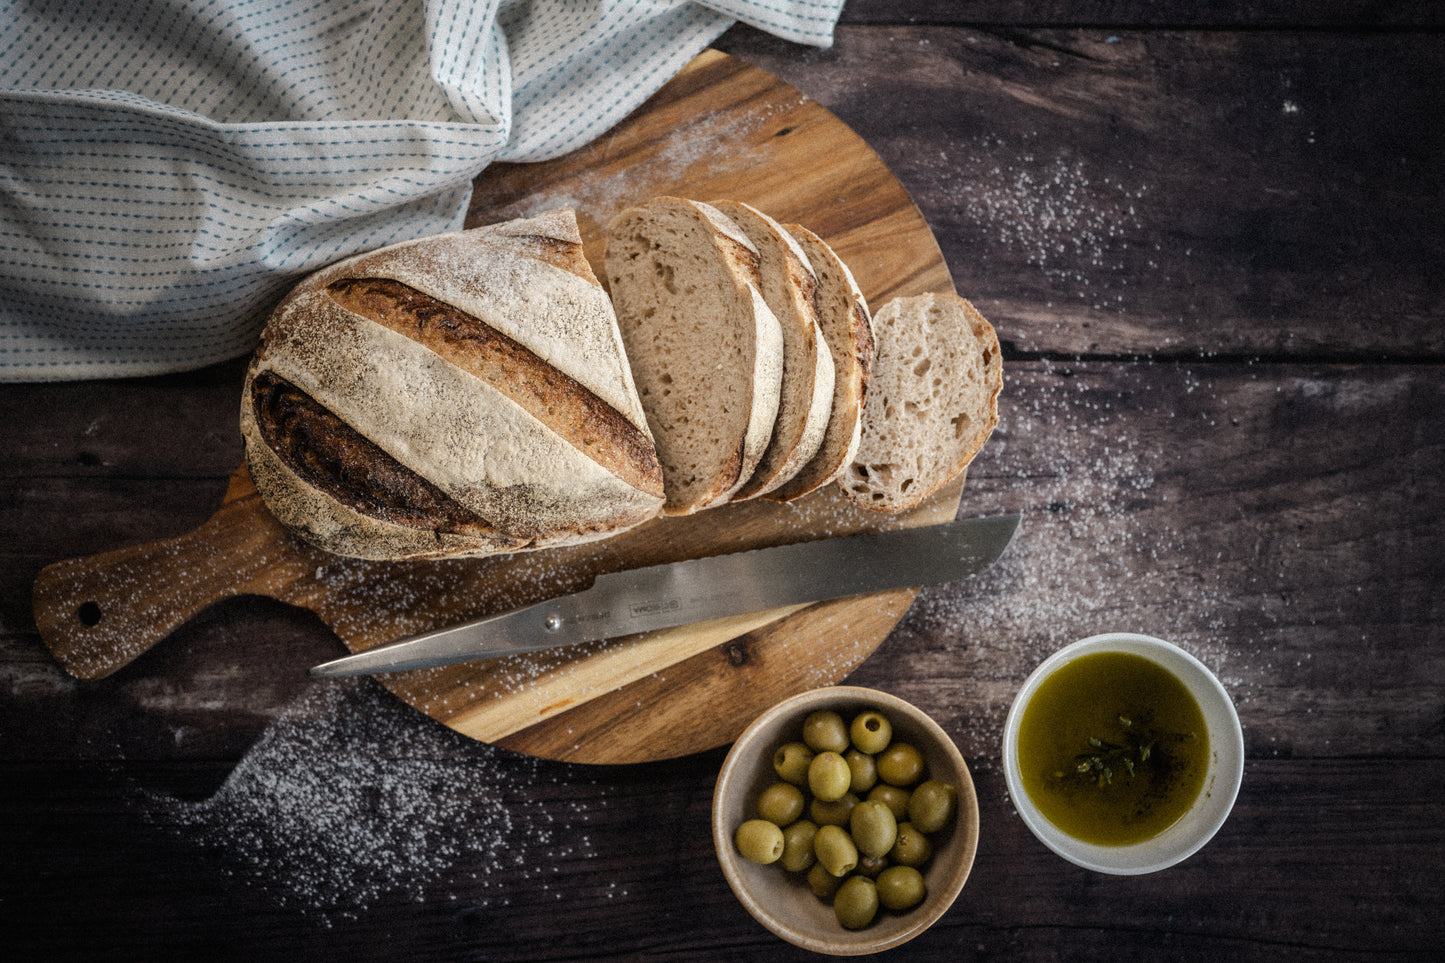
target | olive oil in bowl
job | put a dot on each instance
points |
(1112, 748)
(1123, 753)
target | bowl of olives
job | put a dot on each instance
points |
(845, 820)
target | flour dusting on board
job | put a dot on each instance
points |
(350, 796)
(704, 149)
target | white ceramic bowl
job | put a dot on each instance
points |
(1221, 781)
(781, 901)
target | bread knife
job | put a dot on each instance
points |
(696, 590)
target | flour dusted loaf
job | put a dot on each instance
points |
(932, 401)
(460, 395)
(706, 351)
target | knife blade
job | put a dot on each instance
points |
(696, 590)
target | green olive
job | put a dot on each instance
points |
(781, 803)
(932, 804)
(857, 854)
(760, 841)
(823, 883)
(825, 731)
(873, 827)
(871, 731)
(829, 776)
(900, 887)
(900, 764)
(834, 849)
(894, 797)
(790, 762)
(913, 848)
(798, 852)
(856, 902)
(864, 770)
(833, 813)
(871, 866)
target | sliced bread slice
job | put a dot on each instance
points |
(706, 351)
(790, 288)
(932, 403)
(848, 330)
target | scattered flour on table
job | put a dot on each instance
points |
(351, 796)
(1108, 543)
(1069, 222)
(1073, 222)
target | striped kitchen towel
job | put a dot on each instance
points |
(169, 167)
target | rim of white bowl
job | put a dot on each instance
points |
(1221, 782)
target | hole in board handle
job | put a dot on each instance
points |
(89, 614)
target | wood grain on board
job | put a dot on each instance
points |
(721, 129)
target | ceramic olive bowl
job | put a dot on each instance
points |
(782, 901)
(1221, 781)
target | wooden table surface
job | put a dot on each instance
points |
(1210, 237)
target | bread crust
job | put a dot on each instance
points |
(790, 289)
(340, 526)
(847, 327)
(474, 380)
(546, 393)
(932, 405)
(654, 253)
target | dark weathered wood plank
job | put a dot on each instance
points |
(631, 873)
(1163, 193)
(184, 426)
(97, 465)
(1262, 483)
(1281, 521)
(1315, 14)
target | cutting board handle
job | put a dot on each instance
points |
(99, 613)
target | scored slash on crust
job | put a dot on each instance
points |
(480, 392)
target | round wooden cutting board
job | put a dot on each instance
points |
(720, 129)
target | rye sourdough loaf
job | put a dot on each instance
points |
(706, 351)
(460, 395)
(932, 401)
(790, 289)
(848, 331)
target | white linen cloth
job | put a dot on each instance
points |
(169, 167)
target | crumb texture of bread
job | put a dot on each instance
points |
(932, 402)
(464, 394)
(790, 288)
(706, 351)
(847, 327)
